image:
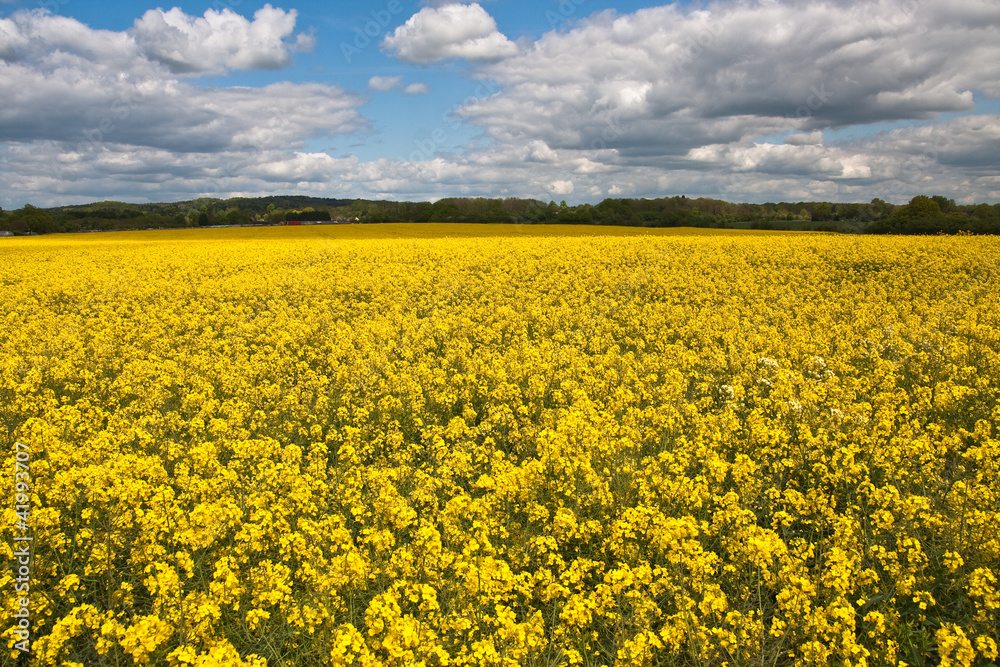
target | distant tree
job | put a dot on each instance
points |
(208, 214)
(944, 203)
(822, 212)
(879, 209)
(446, 210)
(309, 215)
(234, 216)
(368, 211)
(921, 216)
(920, 209)
(274, 214)
(849, 211)
(35, 220)
(984, 212)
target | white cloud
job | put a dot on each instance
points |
(811, 139)
(895, 166)
(538, 151)
(802, 159)
(663, 101)
(971, 143)
(561, 187)
(219, 40)
(11, 39)
(417, 89)
(450, 31)
(88, 88)
(664, 80)
(87, 113)
(383, 83)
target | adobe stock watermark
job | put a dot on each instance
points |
(21, 620)
(219, 5)
(120, 110)
(564, 12)
(262, 139)
(816, 100)
(371, 31)
(453, 119)
(919, 173)
(885, 22)
(611, 131)
(52, 6)
(696, 45)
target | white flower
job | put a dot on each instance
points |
(765, 362)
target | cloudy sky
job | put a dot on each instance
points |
(576, 100)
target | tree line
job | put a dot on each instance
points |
(922, 215)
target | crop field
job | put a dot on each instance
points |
(447, 445)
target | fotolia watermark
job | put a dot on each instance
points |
(372, 30)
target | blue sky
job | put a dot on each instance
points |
(745, 100)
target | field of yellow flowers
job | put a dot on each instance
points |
(355, 446)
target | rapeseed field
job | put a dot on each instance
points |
(443, 445)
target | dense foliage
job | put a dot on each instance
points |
(923, 215)
(285, 446)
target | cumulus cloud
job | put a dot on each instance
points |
(449, 31)
(971, 143)
(804, 160)
(11, 40)
(112, 113)
(663, 101)
(384, 83)
(539, 151)
(219, 40)
(664, 80)
(87, 88)
(895, 165)
(175, 116)
(811, 139)
(561, 187)
(50, 43)
(417, 89)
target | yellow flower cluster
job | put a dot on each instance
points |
(295, 447)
